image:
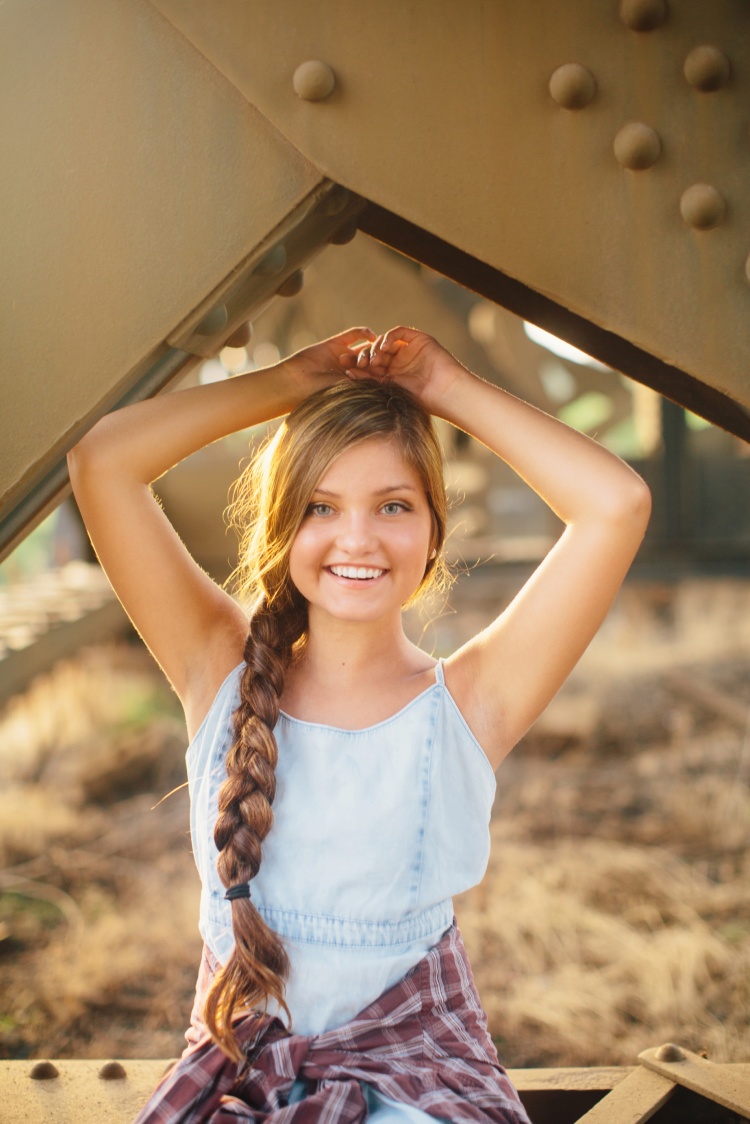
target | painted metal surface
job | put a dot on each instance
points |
(636, 1099)
(597, 158)
(725, 1085)
(90, 1091)
(135, 180)
(580, 163)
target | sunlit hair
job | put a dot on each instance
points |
(268, 505)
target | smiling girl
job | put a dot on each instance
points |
(341, 779)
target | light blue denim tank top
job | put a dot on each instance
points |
(374, 831)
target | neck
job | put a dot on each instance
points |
(354, 649)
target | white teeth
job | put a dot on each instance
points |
(360, 572)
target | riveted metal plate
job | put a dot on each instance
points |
(727, 1085)
(78, 1094)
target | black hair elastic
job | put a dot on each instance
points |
(241, 890)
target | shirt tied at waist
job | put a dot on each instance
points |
(423, 1042)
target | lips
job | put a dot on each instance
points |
(356, 573)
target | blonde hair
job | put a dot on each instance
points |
(269, 502)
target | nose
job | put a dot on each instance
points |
(356, 535)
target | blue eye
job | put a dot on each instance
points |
(319, 509)
(394, 507)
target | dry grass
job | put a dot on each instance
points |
(587, 952)
(99, 894)
(614, 914)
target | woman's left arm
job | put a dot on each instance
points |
(505, 676)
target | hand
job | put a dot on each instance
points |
(411, 358)
(320, 364)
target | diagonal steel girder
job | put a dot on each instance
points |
(584, 165)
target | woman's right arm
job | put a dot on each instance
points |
(194, 629)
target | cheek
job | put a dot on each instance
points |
(417, 544)
(304, 550)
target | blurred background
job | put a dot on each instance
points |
(614, 914)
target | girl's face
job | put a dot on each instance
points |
(363, 545)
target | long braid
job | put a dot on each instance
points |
(258, 965)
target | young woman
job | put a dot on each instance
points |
(341, 779)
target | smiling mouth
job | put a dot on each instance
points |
(357, 573)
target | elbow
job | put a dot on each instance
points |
(77, 460)
(86, 457)
(642, 499)
(633, 505)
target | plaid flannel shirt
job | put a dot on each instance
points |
(423, 1042)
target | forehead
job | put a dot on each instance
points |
(376, 463)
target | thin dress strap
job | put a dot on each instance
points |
(439, 677)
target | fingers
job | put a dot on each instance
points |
(396, 338)
(353, 336)
(367, 357)
(374, 354)
(354, 357)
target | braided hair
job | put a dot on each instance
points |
(269, 502)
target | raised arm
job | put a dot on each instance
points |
(507, 674)
(194, 629)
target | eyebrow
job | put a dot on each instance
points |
(379, 492)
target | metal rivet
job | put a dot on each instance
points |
(669, 1053)
(272, 262)
(112, 1071)
(213, 321)
(344, 234)
(702, 206)
(241, 336)
(643, 15)
(43, 1071)
(335, 201)
(707, 68)
(313, 80)
(637, 146)
(292, 285)
(572, 86)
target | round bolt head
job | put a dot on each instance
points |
(43, 1071)
(572, 86)
(241, 336)
(213, 321)
(702, 206)
(335, 201)
(669, 1053)
(313, 80)
(344, 234)
(292, 285)
(707, 68)
(643, 15)
(112, 1071)
(637, 146)
(272, 262)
